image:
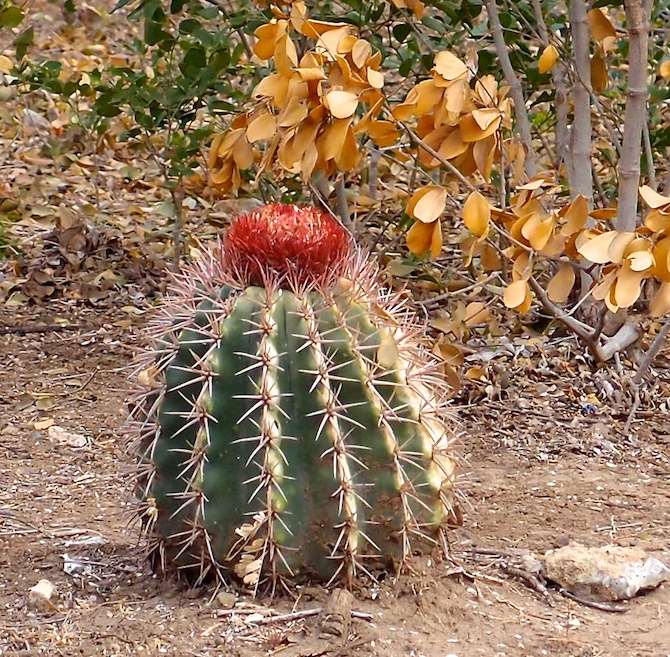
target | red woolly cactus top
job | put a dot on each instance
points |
(293, 245)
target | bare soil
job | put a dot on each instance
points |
(540, 472)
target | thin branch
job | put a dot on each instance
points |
(637, 18)
(580, 179)
(516, 91)
(243, 37)
(431, 151)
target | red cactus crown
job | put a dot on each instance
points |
(293, 245)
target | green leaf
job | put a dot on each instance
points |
(23, 41)
(11, 17)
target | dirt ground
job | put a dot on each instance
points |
(538, 474)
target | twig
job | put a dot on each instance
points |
(24, 330)
(602, 606)
(515, 89)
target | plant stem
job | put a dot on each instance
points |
(580, 181)
(516, 91)
(637, 18)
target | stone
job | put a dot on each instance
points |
(603, 574)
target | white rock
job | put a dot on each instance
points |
(603, 574)
(42, 595)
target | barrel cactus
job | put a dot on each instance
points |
(290, 422)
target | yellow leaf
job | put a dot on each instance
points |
(640, 261)
(471, 129)
(657, 221)
(453, 145)
(485, 117)
(547, 59)
(477, 214)
(660, 304)
(652, 198)
(427, 203)
(602, 289)
(261, 127)
(523, 266)
(484, 152)
(334, 138)
(599, 76)
(596, 249)
(422, 238)
(618, 246)
(424, 96)
(384, 133)
(603, 213)
(267, 35)
(43, 424)
(515, 294)
(476, 374)
(561, 284)
(476, 313)
(538, 230)
(375, 78)
(664, 69)
(600, 26)
(6, 65)
(361, 52)
(348, 157)
(294, 113)
(661, 253)
(449, 353)
(627, 287)
(449, 66)
(328, 43)
(342, 104)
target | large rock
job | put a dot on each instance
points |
(605, 573)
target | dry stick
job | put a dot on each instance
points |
(581, 182)
(558, 75)
(431, 151)
(649, 157)
(624, 337)
(642, 368)
(516, 92)
(24, 330)
(637, 18)
(238, 31)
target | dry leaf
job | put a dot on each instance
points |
(652, 198)
(342, 104)
(660, 304)
(597, 249)
(561, 284)
(515, 294)
(427, 203)
(423, 237)
(449, 66)
(477, 214)
(547, 59)
(600, 25)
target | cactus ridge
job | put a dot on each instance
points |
(290, 431)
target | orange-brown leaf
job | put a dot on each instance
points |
(547, 59)
(600, 25)
(477, 214)
(561, 284)
(427, 203)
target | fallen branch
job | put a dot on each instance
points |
(52, 328)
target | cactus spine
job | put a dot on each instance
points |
(291, 423)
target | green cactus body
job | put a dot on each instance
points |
(292, 431)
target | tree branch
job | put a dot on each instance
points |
(637, 18)
(580, 180)
(515, 89)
